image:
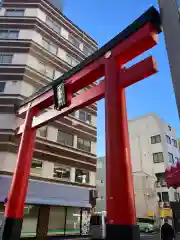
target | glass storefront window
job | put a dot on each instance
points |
(30, 221)
(73, 219)
(56, 221)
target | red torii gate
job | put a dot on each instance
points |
(108, 62)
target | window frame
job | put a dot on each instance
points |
(87, 149)
(32, 169)
(169, 160)
(87, 50)
(62, 167)
(73, 40)
(14, 10)
(2, 55)
(63, 137)
(49, 44)
(157, 154)
(37, 207)
(45, 129)
(87, 181)
(3, 86)
(168, 139)
(55, 25)
(8, 32)
(69, 59)
(174, 142)
(86, 116)
(154, 139)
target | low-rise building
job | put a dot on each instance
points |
(153, 145)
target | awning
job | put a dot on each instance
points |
(41, 192)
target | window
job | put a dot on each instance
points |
(84, 145)
(171, 158)
(161, 180)
(165, 197)
(168, 139)
(96, 220)
(42, 68)
(46, 70)
(177, 160)
(36, 167)
(6, 58)
(9, 34)
(87, 50)
(65, 138)
(50, 46)
(85, 116)
(43, 132)
(54, 25)
(158, 157)
(71, 60)
(61, 172)
(174, 143)
(56, 221)
(30, 221)
(156, 139)
(50, 72)
(73, 219)
(2, 86)
(81, 176)
(74, 40)
(14, 12)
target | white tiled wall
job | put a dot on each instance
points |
(7, 161)
(31, 12)
(12, 87)
(64, 33)
(7, 121)
(47, 169)
(20, 58)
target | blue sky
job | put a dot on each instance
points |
(105, 19)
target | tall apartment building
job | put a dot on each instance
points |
(153, 146)
(37, 45)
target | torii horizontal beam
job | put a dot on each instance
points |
(129, 76)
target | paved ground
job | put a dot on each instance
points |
(148, 236)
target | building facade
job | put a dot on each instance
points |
(37, 45)
(153, 145)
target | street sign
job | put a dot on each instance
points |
(59, 96)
